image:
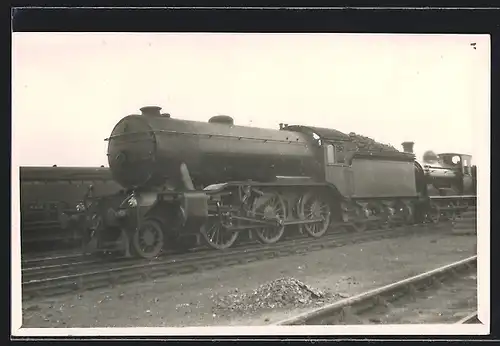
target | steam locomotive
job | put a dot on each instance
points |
(215, 181)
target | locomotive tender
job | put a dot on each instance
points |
(216, 180)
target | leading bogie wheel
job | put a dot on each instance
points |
(148, 239)
(314, 207)
(216, 236)
(270, 207)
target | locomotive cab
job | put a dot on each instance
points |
(461, 162)
(337, 167)
(462, 165)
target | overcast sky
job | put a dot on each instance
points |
(69, 90)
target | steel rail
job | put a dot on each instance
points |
(349, 308)
(43, 266)
(31, 262)
(469, 319)
(46, 262)
(188, 264)
(48, 255)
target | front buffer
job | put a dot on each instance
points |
(144, 222)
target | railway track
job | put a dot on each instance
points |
(48, 278)
(469, 319)
(49, 258)
(39, 249)
(368, 307)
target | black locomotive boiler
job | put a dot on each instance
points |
(216, 180)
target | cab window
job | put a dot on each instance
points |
(466, 167)
(330, 154)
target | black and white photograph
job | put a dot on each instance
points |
(250, 183)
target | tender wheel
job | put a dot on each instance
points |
(361, 224)
(386, 214)
(270, 207)
(434, 213)
(310, 208)
(215, 236)
(452, 214)
(407, 213)
(147, 241)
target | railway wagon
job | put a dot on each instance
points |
(215, 180)
(47, 192)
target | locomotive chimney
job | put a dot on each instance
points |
(408, 147)
(151, 110)
(221, 119)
